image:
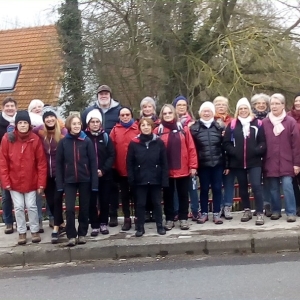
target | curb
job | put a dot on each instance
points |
(255, 242)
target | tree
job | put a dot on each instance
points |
(69, 28)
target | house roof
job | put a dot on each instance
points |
(37, 50)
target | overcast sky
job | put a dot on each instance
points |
(24, 13)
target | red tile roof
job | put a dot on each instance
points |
(37, 50)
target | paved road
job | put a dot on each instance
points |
(254, 277)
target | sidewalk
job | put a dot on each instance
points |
(231, 237)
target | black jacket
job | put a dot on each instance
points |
(3, 126)
(76, 161)
(208, 142)
(245, 153)
(147, 162)
(105, 153)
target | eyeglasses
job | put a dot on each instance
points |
(124, 115)
(94, 122)
(167, 113)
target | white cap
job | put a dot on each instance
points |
(243, 101)
(34, 103)
(208, 104)
(95, 113)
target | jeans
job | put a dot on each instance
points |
(7, 207)
(288, 192)
(210, 176)
(266, 192)
(28, 199)
(228, 182)
(255, 181)
(39, 204)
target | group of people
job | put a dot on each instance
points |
(106, 151)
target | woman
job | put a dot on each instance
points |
(182, 163)
(148, 173)
(76, 170)
(223, 118)
(50, 133)
(105, 155)
(23, 173)
(245, 144)
(121, 135)
(207, 135)
(295, 113)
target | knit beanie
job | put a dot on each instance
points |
(243, 101)
(34, 103)
(48, 111)
(148, 100)
(22, 115)
(207, 104)
(126, 108)
(95, 113)
(174, 103)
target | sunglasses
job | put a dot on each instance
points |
(168, 113)
(125, 115)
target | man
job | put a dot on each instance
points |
(7, 124)
(109, 108)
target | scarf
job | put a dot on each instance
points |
(173, 145)
(23, 136)
(246, 125)
(223, 118)
(295, 113)
(260, 114)
(97, 133)
(276, 121)
(185, 119)
(9, 119)
(127, 125)
(207, 123)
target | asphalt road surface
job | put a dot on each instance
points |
(253, 277)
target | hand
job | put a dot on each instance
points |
(8, 188)
(296, 170)
(100, 174)
(193, 172)
(40, 191)
(226, 171)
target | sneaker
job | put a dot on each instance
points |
(275, 216)
(41, 229)
(54, 237)
(9, 229)
(203, 218)
(62, 230)
(35, 237)
(196, 216)
(22, 239)
(81, 240)
(184, 225)
(169, 225)
(268, 212)
(217, 219)
(254, 213)
(113, 222)
(259, 219)
(176, 218)
(227, 212)
(222, 215)
(104, 229)
(71, 242)
(247, 216)
(95, 232)
(291, 218)
(127, 224)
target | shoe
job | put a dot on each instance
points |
(62, 230)
(169, 225)
(203, 218)
(196, 216)
(275, 216)
(95, 232)
(247, 216)
(160, 229)
(291, 219)
(184, 225)
(259, 219)
(268, 212)
(190, 215)
(113, 222)
(127, 224)
(54, 237)
(227, 212)
(27, 226)
(148, 218)
(71, 242)
(51, 223)
(81, 240)
(254, 213)
(217, 219)
(104, 229)
(41, 229)
(22, 239)
(222, 215)
(140, 231)
(35, 237)
(176, 218)
(9, 229)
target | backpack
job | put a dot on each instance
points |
(105, 136)
(233, 124)
(160, 130)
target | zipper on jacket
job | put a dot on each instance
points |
(96, 149)
(75, 161)
(50, 160)
(245, 143)
(210, 152)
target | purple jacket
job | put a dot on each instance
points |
(283, 151)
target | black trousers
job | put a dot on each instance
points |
(114, 195)
(84, 189)
(182, 185)
(54, 200)
(149, 203)
(296, 181)
(127, 195)
(141, 192)
(100, 201)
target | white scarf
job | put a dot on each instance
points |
(9, 119)
(207, 123)
(276, 121)
(246, 125)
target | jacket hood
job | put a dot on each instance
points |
(113, 103)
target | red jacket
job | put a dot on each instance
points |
(23, 164)
(121, 138)
(189, 158)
